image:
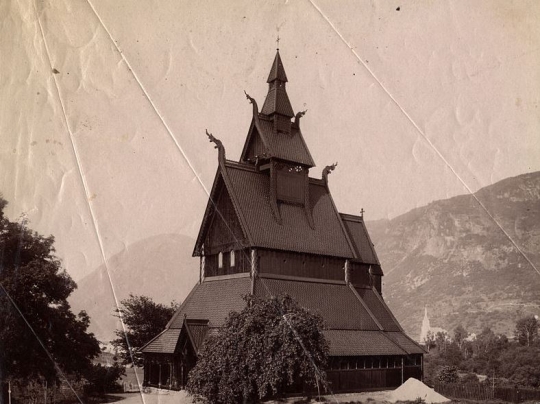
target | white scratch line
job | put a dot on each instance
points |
(162, 119)
(84, 184)
(422, 133)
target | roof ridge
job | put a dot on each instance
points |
(184, 303)
(386, 308)
(357, 295)
(240, 165)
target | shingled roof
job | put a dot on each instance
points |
(165, 342)
(289, 147)
(212, 300)
(355, 323)
(363, 246)
(335, 302)
(277, 100)
(251, 194)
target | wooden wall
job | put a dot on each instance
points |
(302, 265)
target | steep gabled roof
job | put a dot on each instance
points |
(196, 331)
(165, 342)
(213, 300)
(358, 234)
(288, 147)
(252, 193)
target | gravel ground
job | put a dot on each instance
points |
(181, 397)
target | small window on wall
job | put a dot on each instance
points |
(220, 260)
(232, 258)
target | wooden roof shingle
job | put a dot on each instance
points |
(336, 303)
(360, 343)
(359, 235)
(252, 193)
(165, 342)
(212, 300)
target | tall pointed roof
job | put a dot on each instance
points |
(277, 72)
(277, 100)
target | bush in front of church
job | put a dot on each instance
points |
(270, 347)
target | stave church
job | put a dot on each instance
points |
(270, 228)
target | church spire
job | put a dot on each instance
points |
(277, 72)
(277, 100)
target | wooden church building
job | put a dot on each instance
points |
(269, 229)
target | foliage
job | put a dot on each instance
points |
(39, 335)
(103, 379)
(460, 334)
(521, 365)
(468, 378)
(506, 363)
(429, 340)
(269, 346)
(143, 319)
(526, 331)
(448, 374)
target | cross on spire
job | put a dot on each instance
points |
(362, 212)
(277, 42)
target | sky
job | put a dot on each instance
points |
(104, 105)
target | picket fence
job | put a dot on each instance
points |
(474, 391)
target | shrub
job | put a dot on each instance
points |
(269, 347)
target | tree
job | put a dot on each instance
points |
(271, 345)
(39, 335)
(429, 340)
(526, 331)
(441, 340)
(460, 335)
(448, 374)
(143, 319)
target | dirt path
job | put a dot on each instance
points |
(181, 397)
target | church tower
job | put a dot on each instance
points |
(270, 228)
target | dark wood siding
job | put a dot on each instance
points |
(302, 265)
(225, 232)
(360, 275)
(256, 147)
(241, 258)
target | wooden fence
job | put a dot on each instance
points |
(475, 391)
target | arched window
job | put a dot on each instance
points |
(232, 259)
(220, 260)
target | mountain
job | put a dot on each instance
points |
(160, 267)
(472, 259)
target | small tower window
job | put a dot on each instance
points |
(232, 259)
(220, 260)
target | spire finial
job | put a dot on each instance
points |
(277, 42)
(362, 211)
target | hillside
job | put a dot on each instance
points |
(457, 259)
(160, 267)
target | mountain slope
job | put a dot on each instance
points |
(160, 267)
(468, 264)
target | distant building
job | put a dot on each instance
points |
(426, 327)
(270, 228)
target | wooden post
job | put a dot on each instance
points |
(254, 269)
(421, 368)
(402, 370)
(347, 269)
(159, 377)
(170, 375)
(202, 268)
